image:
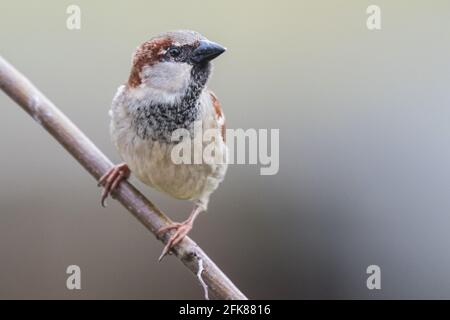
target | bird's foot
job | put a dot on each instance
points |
(111, 179)
(181, 230)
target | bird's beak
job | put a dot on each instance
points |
(206, 51)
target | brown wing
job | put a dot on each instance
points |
(219, 113)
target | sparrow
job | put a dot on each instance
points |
(167, 90)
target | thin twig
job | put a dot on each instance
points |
(24, 93)
(200, 278)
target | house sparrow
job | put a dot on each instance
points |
(166, 90)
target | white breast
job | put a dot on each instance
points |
(151, 162)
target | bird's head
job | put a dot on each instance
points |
(171, 61)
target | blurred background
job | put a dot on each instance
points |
(364, 176)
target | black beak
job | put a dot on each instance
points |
(206, 51)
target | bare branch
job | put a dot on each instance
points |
(200, 278)
(41, 109)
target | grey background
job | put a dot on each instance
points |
(364, 151)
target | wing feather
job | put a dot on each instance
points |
(219, 113)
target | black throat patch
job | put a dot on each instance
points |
(158, 121)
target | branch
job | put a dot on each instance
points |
(44, 112)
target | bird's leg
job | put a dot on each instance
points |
(181, 230)
(111, 179)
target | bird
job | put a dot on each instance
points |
(166, 91)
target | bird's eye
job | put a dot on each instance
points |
(174, 51)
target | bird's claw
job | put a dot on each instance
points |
(111, 179)
(182, 229)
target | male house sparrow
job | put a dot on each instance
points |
(166, 90)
